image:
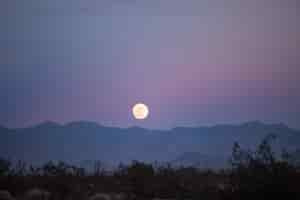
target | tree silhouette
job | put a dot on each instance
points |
(4, 167)
(260, 175)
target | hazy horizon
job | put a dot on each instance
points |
(80, 141)
(149, 128)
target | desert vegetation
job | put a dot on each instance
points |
(256, 174)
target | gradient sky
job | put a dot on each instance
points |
(193, 62)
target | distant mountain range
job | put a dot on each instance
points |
(81, 141)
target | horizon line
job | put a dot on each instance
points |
(55, 123)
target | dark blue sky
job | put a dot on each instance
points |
(193, 62)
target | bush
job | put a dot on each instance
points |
(4, 167)
(261, 175)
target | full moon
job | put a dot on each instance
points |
(140, 111)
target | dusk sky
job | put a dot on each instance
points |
(193, 62)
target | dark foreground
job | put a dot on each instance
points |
(254, 175)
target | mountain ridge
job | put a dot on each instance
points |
(254, 123)
(82, 140)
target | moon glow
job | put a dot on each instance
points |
(140, 111)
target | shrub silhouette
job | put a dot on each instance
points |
(261, 175)
(258, 174)
(140, 177)
(4, 167)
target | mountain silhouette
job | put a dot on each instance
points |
(79, 141)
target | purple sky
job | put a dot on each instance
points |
(192, 62)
